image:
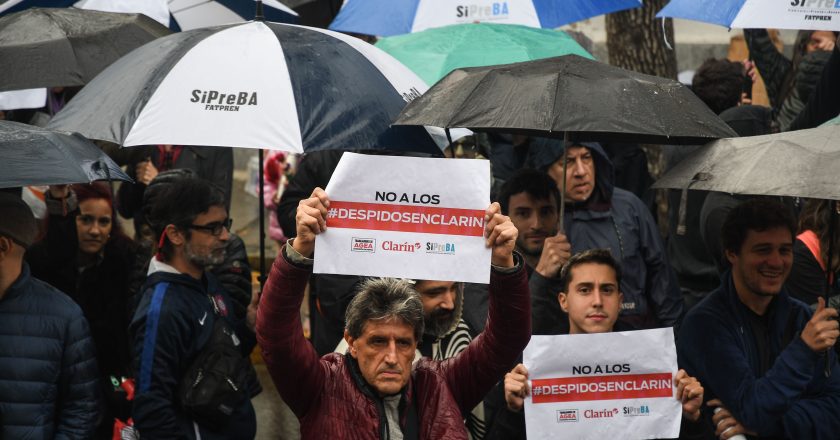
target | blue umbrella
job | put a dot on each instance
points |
(747, 14)
(395, 17)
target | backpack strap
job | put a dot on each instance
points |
(149, 339)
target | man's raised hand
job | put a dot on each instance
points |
(501, 236)
(556, 251)
(821, 332)
(310, 220)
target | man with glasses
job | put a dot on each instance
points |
(177, 317)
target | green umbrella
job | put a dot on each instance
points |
(433, 53)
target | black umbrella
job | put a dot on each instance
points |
(569, 96)
(38, 156)
(586, 99)
(67, 46)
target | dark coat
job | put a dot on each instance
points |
(793, 399)
(49, 387)
(102, 290)
(615, 219)
(329, 402)
(170, 328)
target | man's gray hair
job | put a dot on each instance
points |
(382, 299)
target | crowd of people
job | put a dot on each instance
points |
(151, 336)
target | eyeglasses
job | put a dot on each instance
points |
(214, 228)
(87, 220)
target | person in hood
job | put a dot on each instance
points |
(177, 314)
(599, 215)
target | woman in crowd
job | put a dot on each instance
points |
(86, 255)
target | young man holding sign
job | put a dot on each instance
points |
(592, 300)
(374, 391)
(761, 353)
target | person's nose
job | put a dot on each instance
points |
(391, 353)
(775, 259)
(225, 235)
(448, 300)
(94, 229)
(597, 301)
(577, 168)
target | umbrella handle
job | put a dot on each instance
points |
(560, 221)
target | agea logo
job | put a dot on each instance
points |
(363, 245)
(474, 11)
(440, 248)
(567, 415)
(636, 411)
(600, 413)
(393, 246)
(226, 102)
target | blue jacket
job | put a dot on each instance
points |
(793, 398)
(173, 322)
(49, 383)
(616, 219)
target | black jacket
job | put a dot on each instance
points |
(169, 329)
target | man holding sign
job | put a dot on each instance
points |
(592, 300)
(374, 391)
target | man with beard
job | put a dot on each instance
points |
(178, 312)
(760, 353)
(532, 201)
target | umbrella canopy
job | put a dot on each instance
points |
(746, 14)
(37, 156)
(67, 47)
(257, 85)
(433, 53)
(183, 15)
(586, 99)
(394, 17)
(801, 163)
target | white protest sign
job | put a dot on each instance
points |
(603, 386)
(819, 15)
(407, 217)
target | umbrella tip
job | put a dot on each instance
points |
(258, 16)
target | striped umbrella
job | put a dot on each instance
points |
(257, 85)
(818, 15)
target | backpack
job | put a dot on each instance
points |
(215, 383)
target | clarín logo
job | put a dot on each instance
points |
(567, 415)
(393, 246)
(600, 413)
(440, 248)
(227, 102)
(363, 245)
(636, 411)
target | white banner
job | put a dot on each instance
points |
(818, 15)
(407, 217)
(603, 386)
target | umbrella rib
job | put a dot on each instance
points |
(555, 117)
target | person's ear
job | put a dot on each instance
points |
(350, 343)
(561, 297)
(730, 256)
(174, 235)
(5, 246)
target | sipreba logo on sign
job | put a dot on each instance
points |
(636, 411)
(567, 415)
(363, 245)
